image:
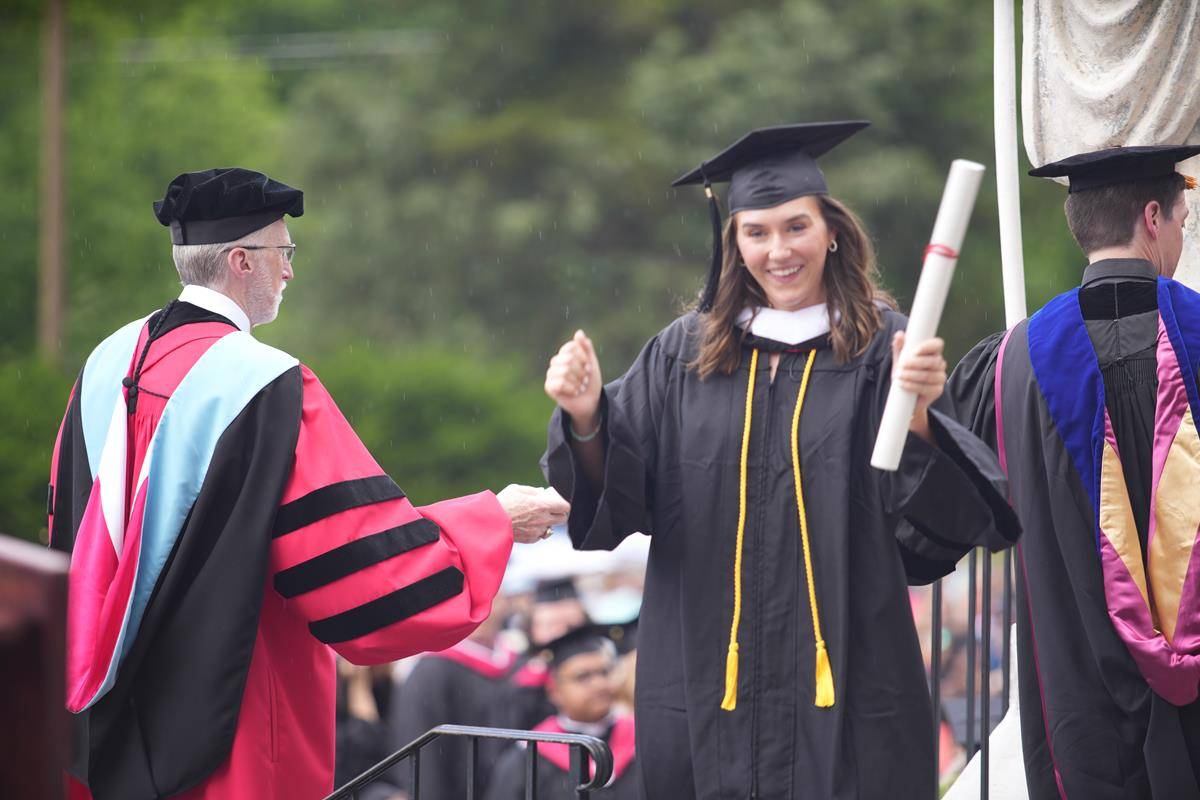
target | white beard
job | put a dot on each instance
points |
(262, 300)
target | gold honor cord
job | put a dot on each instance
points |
(824, 673)
(729, 702)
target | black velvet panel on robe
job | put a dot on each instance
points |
(672, 471)
(1085, 708)
(193, 648)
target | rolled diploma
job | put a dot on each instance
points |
(958, 199)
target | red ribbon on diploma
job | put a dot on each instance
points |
(941, 250)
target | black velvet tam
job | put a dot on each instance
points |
(224, 204)
(1116, 165)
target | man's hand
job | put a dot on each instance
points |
(573, 381)
(532, 511)
(922, 372)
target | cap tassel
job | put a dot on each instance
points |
(714, 268)
(824, 673)
(729, 702)
(1189, 182)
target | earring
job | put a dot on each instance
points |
(833, 246)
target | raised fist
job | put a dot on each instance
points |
(573, 381)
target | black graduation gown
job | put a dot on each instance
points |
(1110, 735)
(439, 691)
(672, 471)
(555, 783)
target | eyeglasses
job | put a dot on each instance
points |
(289, 250)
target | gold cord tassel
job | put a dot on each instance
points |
(823, 697)
(729, 701)
(1189, 182)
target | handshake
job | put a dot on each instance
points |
(532, 511)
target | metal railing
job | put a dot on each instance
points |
(582, 748)
(979, 659)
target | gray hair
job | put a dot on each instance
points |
(204, 264)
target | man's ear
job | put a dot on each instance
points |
(1152, 218)
(237, 264)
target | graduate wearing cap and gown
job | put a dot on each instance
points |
(777, 655)
(228, 532)
(580, 686)
(1091, 404)
(467, 684)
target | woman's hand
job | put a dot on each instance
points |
(573, 381)
(922, 372)
(532, 511)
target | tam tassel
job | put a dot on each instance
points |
(1189, 182)
(714, 267)
(824, 698)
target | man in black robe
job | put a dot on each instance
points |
(582, 693)
(1096, 395)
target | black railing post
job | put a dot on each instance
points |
(415, 774)
(579, 771)
(985, 676)
(1006, 659)
(972, 588)
(472, 767)
(935, 676)
(531, 772)
(589, 746)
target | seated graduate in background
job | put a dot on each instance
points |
(467, 684)
(777, 654)
(581, 690)
(556, 611)
(1093, 413)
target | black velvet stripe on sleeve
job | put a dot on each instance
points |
(359, 554)
(391, 608)
(331, 499)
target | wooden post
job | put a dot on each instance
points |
(35, 734)
(51, 220)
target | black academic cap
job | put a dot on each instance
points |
(1116, 165)
(765, 168)
(223, 205)
(551, 590)
(584, 639)
(623, 635)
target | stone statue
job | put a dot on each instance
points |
(1098, 73)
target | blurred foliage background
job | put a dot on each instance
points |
(481, 179)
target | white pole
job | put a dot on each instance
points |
(1008, 196)
(958, 199)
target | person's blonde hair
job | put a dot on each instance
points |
(851, 292)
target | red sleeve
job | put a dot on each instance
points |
(377, 578)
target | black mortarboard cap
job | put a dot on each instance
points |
(623, 635)
(765, 168)
(1116, 165)
(551, 590)
(223, 205)
(585, 639)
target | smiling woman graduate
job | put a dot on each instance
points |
(778, 655)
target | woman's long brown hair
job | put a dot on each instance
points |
(851, 293)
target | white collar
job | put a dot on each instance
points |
(788, 327)
(597, 729)
(214, 301)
